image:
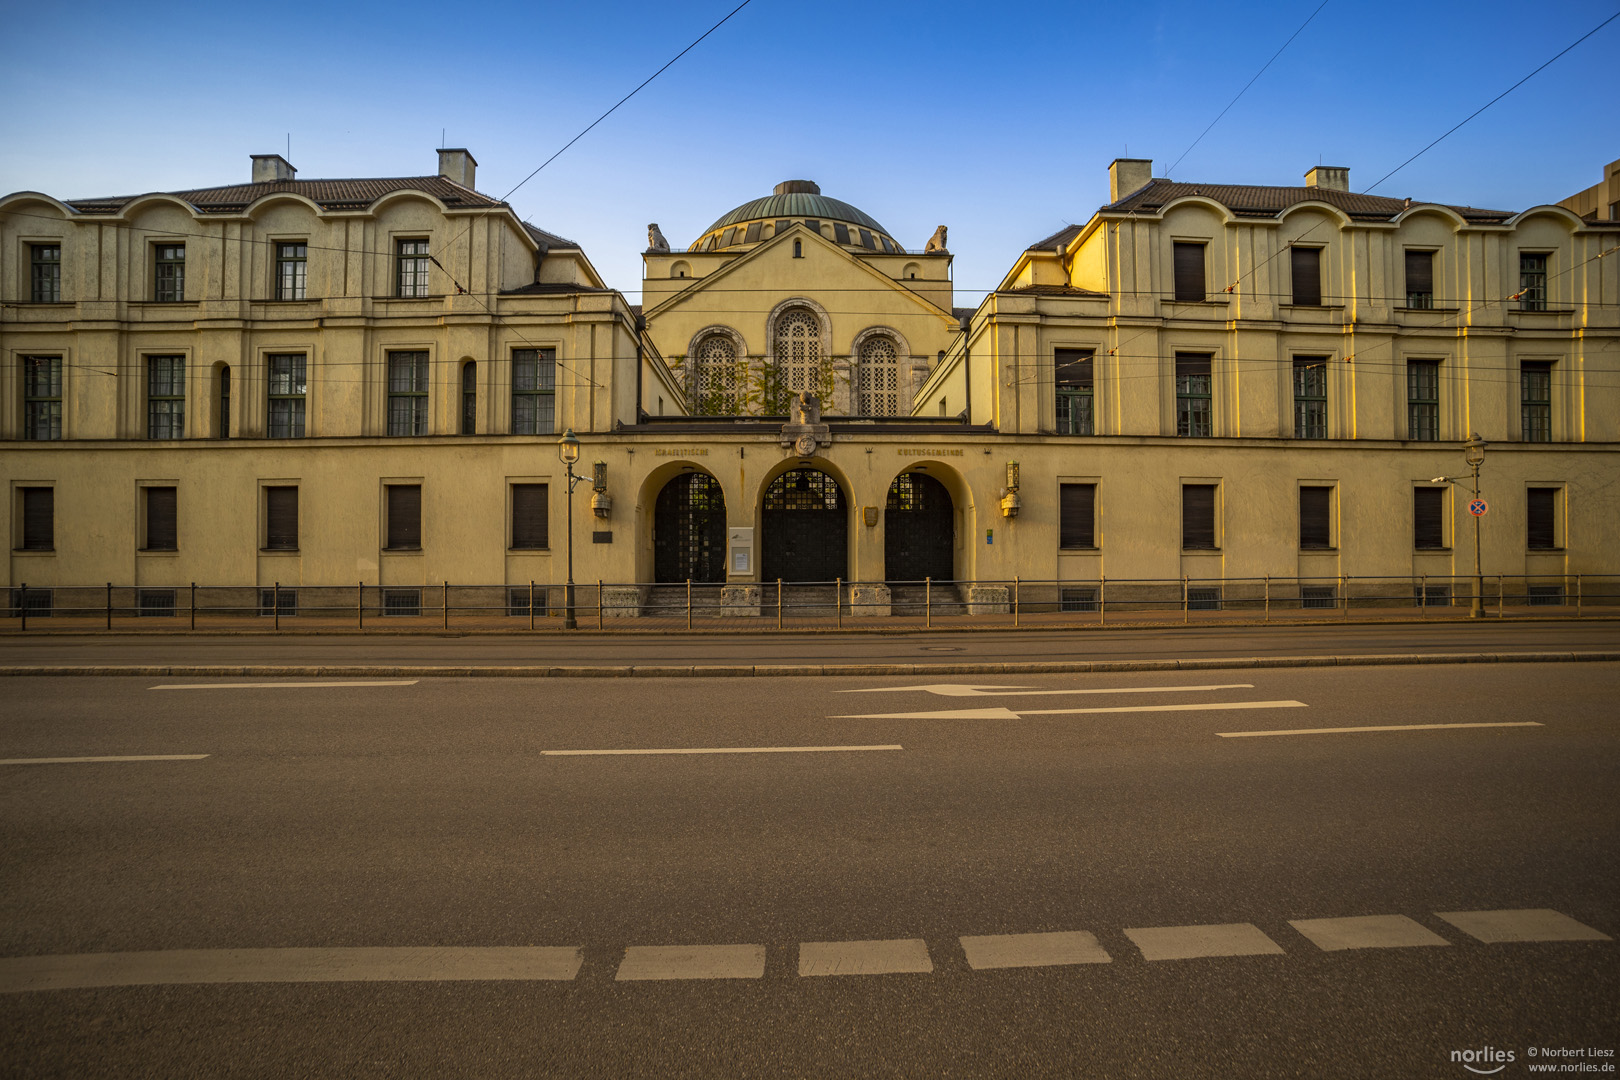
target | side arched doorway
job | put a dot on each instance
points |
(919, 530)
(806, 527)
(689, 530)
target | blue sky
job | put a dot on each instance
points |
(998, 120)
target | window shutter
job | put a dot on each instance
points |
(1189, 271)
(1307, 275)
(281, 518)
(1420, 272)
(1077, 507)
(405, 516)
(162, 529)
(1198, 517)
(529, 516)
(39, 519)
(1428, 518)
(1542, 532)
(1315, 517)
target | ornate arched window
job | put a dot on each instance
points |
(717, 385)
(879, 374)
(798, 351)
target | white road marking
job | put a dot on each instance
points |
(1367, 932)
(864, 957)
(1033, 950)
(975, 690)
(82, 760)
(1009, 714)
(1382, 727)
(1525, 924)
(279, 685)
(692, 962)
(722, 750)
(1187, 942)
(180, 966)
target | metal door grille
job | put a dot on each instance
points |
(919, 530)
(806, 528)
(689, 530)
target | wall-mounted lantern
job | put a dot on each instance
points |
(1010, 503)
(601, 502)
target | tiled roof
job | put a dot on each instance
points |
(1054, 290)
(552, 287)
(1062, 236)
(1253, 201)
(551, 240)
(355, 194)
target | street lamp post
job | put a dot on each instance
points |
(568, 450)
(1474, 455)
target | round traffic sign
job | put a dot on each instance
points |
(1478, 507)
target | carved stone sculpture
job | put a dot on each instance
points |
(655, 238)
(937, 241)
(804, 431)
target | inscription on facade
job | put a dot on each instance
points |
(936, 452)
(683, 451)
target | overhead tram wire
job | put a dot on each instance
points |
(1246, 86)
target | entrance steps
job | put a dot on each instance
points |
(913, 599)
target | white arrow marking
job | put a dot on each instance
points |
(973, 690)
(1008, 714)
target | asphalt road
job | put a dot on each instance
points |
(430, 816)
(589, 648)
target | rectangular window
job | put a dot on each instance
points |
(1310, 397)
(281, 518)
(165, 397)
(1072, 370)
(42, 397)
(866, 239)
(402, 602)
(224, 402)
(170, 278)
(278, 601)
(1429, 519)
(534, 387)
(529, 516)
(405, 517)
(1077, 599)
(287, 387)
(1205, 599)
(1316, 518)
(1532, 282)
(38, 519)
(407, 393)
(517, 600)
(412, 277)
(1306, 266)
(1189, 272)
(1432, 595)
(162, 519)
(1541, 529)
(841, 232)
(1423, 400)
(1193, 405)
(752, 235)
(1318, 596)
(45, 273)
(469, 398)
(1077, 516)
(1545, 596)
(1198, 517)
(1535, 400)
(1420, 279)
(292, 262)
(156, 602)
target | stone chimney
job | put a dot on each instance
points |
(798, 187)
(458, 166)
(269, 168)
(1329, 177)
(1128, 174)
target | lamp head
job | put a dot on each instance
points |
(1474, 450)
(568, 447)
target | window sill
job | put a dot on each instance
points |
(1206, 302)
(402, 551)
(164, 303)
(408, 299)
(1079, 550)
(528, 551)
(157, 551)
(291, 300)
(33, 551)
(1313, 307)
(1431, 551)
(1318, 551)
(1428, 310)
(278, 551)
(1544, 551)
(1201, 551)
(1541, 311)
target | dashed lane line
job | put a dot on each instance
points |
(1522, 924)
(978, 690)
(998, 713)
(719, 750)
(86, 760)
(1033, 950)
(1380, 727)
(1191, 942)
(692, 962)
(281, 685)
(902, 956)
(1367, 932)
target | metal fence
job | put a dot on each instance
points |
(805, 605)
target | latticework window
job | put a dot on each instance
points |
(717, 384)
(798, 352)
(879, 377)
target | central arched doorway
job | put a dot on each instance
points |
(689, 530)
(919, 530)
(806, 528)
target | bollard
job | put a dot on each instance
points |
(779, 603)
(838, 602)
(1184, 598)
(599, 603)
(689, 603)
(531, 603)
(193, 608)
(1015, 599)
(1102, 600)
(275, 604)
(928, 603)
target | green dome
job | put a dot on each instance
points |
(797, 200)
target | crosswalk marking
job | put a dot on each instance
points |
(864, 957)
(1367, 932)
(1010, 714)
(1033, 950)
(1525, 924)
(1189, 942)
(692, 962)
(185, 966)
(84, 760)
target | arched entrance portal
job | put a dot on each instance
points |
(919, 530)
(689, 530)
(806, 528)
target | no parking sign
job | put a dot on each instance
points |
(1478, 507)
